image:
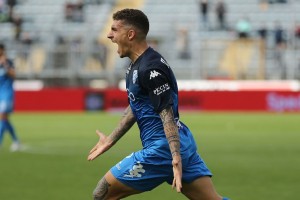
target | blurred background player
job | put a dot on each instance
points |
(7, 75)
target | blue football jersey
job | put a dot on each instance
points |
(6, 82)
(151, 87)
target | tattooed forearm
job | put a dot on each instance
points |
(171, 130)
(124, 125)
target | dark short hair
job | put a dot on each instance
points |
(133, 17)
(2, 46)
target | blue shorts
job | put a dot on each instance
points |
(6, 106)
(144, 170)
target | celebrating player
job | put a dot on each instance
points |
(169, 151)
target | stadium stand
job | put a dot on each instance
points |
(74, 51)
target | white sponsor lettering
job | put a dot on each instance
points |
(161, 89)
(154, 74)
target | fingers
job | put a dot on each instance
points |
(176, 184)
(92, 156)
(96, 146)
(177, 170)
(93, 149)
(99, 133)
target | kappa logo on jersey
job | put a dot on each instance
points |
(134, 76)
(161, 89)
(165, 62)
(136, 171)
(154, 74)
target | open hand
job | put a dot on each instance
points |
(177, 172)
(99, 148)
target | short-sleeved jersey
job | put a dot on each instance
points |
(6, 82)
(151, 87)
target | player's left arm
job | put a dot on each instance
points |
(155, 80)
(171, 131)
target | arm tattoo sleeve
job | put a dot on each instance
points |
(171, 130)
(124, 125)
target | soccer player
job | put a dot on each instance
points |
(7, 75)
(169, 151)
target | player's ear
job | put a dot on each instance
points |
(131, 34)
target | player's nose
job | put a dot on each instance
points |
(109, 35)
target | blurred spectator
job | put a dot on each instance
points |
(99, 52)
(74, 11)
(297, 34)
(97, 2)
(68, 12)
(3, 12)
(60, 53)
(2, 5)
(11, 4)
(277, 1)
(263, 31)
(29, 37)
(221, 14)
(263, 5)
(17, 21)
(183, 43)
(280, 40)
(204, 6)
(243, 28)
(280, 36)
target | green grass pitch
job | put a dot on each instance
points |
(252, 155)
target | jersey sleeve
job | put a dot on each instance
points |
(157, 84)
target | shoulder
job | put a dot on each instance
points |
(152, 60)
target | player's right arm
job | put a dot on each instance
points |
(106, 142)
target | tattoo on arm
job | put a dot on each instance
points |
(124, 125)
(171, 130)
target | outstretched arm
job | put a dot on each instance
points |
(171, 131)
(106, 142)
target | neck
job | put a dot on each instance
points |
(138, 51)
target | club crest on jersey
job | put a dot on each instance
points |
(134, 76)
(154, 74)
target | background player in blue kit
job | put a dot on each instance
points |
(169, 151)
(7, 75)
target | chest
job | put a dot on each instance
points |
(134, 90)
